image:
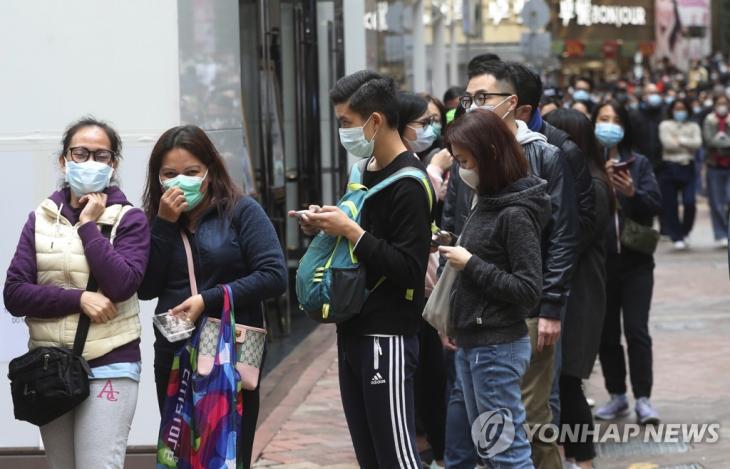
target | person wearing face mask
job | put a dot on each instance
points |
(493, 86)
(646, 122)
(698, 115)
(189, 192)
(417, 121)
(716, 132)
(629, 269)
(681, 138)
(499, 275)
(378, 348)
(51, 293)
(582, 93)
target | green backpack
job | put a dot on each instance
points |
(331, 283)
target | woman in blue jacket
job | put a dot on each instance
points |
(629, 273)
(232, 241)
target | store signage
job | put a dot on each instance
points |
(587, 14)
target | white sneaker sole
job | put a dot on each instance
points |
(623, 413)
(648, 421)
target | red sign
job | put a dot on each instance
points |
(647, 48)
(574, 48)
(610, 49)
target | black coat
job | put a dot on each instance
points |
(645, 130)
(587, 303)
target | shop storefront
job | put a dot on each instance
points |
(601, 37)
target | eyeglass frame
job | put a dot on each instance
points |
(91, 154)
(479, 95)
(430, 120)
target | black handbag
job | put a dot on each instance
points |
(47, 382)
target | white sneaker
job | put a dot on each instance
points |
(721, 243)
(680, 246)
(617, 407)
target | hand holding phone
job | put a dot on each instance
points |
(303, 217)
(443, 238)
(623, 166)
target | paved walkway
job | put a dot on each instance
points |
(690, 326)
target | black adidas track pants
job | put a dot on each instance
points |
(376, 384)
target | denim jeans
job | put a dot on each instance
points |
(460, 452)
(678, 179)
(718, 192)
(490, 379)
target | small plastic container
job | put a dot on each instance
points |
(172, 327)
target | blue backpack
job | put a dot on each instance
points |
(331, 282)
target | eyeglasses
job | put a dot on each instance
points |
(82, 154)
(480, 98)
(426, 122)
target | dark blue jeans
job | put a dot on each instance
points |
(490, 380)
(459, 452)
(718, 192)
(675, 180)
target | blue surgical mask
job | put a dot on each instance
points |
(654, 99)
(697, 109)
(88, 177)
(634, 106)
(669, 100)
(609, 134)
(425, 136)
(436, 128)
(680, 116)
(354, 141)
(581, 95)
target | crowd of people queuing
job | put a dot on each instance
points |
(545, 202)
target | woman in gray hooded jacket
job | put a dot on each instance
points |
(499, 281)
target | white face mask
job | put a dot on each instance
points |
(489, 107)
(470, 177)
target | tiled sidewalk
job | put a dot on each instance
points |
(315, 435)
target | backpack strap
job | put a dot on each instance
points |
(408, 172)
(358, 169)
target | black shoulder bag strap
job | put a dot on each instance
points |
(84, 322)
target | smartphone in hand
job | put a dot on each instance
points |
(623, 166)
(443, 238)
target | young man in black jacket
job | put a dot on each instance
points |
(378, 349)
(492, 86)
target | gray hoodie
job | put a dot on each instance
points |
(502, 282)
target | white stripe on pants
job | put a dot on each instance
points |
(396, 372)
(94, 434)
